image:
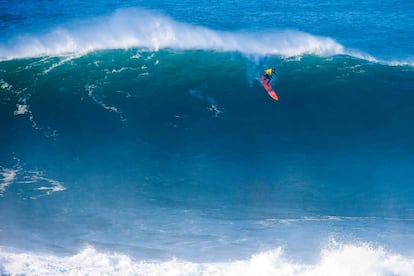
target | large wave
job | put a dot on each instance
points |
(137, 28)
(114, 80)
(315, 148)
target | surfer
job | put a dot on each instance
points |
(266, 78)
(268, 74)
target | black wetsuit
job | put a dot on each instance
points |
(267, 77)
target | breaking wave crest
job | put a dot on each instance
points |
(136, 28)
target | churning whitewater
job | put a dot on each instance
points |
(136, 28)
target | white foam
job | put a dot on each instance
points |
(4, 85)
(21, 109)
(270, 222)
(54, 185)
(400, 62)
(61, 62)
(7, 178)
(18, 176)
(216, 110)
(336, 259)
(150, 31)
(135, 28)
(91, 93)
(214, 107)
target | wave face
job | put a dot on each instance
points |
(150, 144)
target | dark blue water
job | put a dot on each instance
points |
(136, 138)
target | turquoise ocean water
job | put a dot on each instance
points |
(136, 138)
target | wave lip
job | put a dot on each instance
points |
(136, 28)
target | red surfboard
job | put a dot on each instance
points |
(269, 89)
